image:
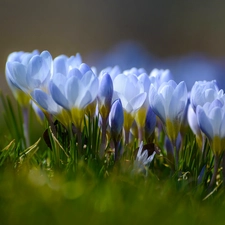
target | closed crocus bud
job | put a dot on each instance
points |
(204, 91)
(105, 94)
(116, 119)
(168, 103)
(150, 123)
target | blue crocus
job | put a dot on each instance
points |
(168, 102)
(105, 94)
(157, 77)
(63, 64)
(18, 58)
(150, 123)
(116, 120)
(193, 123)
(211, 119)
(36, 74)
(131, 93)
(75, 91)
(204, 91)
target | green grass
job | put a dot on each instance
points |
(49, 184)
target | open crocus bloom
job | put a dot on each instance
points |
(35, 74)
(131, 93)
(204, 91)
(18, 58)
(211, 119)
(63, 64)
(157, 77)
(168, 103)
(74, 91)
(142, 161)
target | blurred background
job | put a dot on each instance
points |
(188, 37)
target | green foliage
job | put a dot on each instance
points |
(55, 180)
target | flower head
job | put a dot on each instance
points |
(168, 102)
(35, 74)
(75, 91)
(63, 64)
(142, 161)
(116, 119)
(204, 91)
(211, 119)
(17, 58)
(131, 93)
(105, 94)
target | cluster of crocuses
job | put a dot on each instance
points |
(130, 103)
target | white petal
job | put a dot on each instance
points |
(72, 91)
(156, 104)
(204, 122)
(138, 101)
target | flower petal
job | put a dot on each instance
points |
(156, 104)
(204, 122)
(138, 101)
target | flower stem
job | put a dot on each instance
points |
(103, 141)
(223, 165)
(116, 146)
(216, 166)
(26, 126)
(140, 134)
(127, 133)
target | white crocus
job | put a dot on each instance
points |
(168, 103)
(131, 93)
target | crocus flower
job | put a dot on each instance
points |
(74, 91)
(193, 123)
(141, 113)
(168, 103)
(49, 106)
(105, 94)
(63, 64)
(150, 123)
(211, 119)
(112, 71)
(36, 74)
(142, 161)
(157, 77)
(18, 58)
(116, 120)
(131, 93)
(204, 91)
